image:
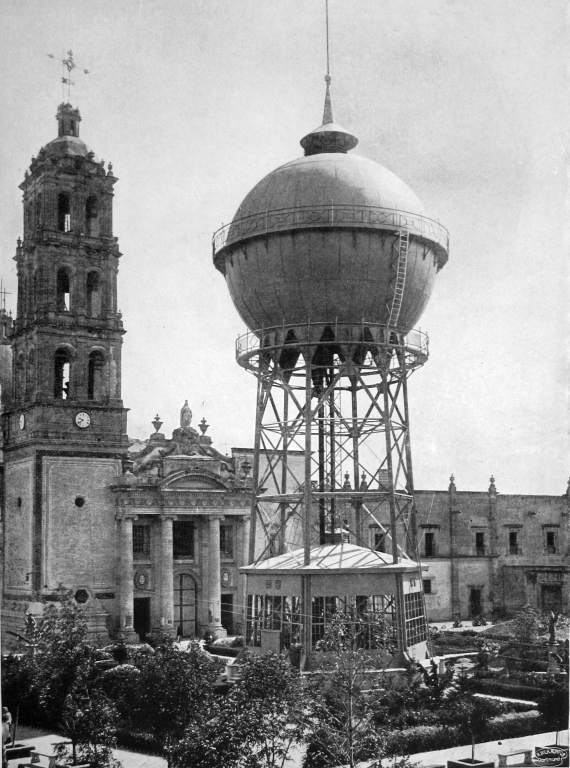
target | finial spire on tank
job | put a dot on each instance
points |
(329, 136)
(327, 112)
(330, 260)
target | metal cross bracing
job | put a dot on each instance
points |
(332, 458)
(354, 417)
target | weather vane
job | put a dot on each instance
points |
(3, 294)
(67, 66)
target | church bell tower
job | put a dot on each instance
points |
(64, 424)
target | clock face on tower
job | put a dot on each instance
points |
(82, 419)
(22, 421)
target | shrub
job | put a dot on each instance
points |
(138, 741)
(424, 738)
(505, 688)
(172, 686)
(421, 738)
(513, 724)
(553, 706)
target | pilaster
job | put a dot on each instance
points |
(454, 565)
(126, 585)
(492, 560)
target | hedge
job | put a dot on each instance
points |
(138, 741)
(425, 738)
(495, 687)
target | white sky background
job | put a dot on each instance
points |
(194, 101)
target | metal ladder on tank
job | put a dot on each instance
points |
(400, 270)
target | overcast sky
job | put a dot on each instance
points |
(194, 101)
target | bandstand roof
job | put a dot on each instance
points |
(341, 558)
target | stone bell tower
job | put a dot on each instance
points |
(64, 424)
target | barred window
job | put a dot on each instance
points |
(183, 539)
(141, 540)
(416, 624)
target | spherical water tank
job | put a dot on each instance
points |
(330, 237)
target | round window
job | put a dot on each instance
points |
(81, 596)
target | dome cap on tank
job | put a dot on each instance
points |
(329, 136)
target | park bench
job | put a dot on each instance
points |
(41, 760)
(526, 752)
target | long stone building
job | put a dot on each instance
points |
(151, 535)
(490, 554)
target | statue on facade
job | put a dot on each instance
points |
(185, 416)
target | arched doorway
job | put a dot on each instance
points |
(185, 605)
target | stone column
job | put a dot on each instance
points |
(166, 577)
(242, 578)
(126, 585)
(214, 598)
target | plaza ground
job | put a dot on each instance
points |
(485, 751)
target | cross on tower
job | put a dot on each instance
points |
(67, 66)
(3, 294)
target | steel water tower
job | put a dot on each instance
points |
(330, 261)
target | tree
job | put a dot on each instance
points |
(56, 654)
(89, 720)
(342, 716)
(59, 667)
(526, 625)
(254, 725)
(171, 690)
(121, 684)
(471, 713)
(271, 696)
(553, 706)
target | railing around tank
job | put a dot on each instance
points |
(415, 343)
(331, 215)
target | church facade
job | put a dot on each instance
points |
(151, 535)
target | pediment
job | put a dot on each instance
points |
(194, 480)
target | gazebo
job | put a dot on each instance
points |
(339, 577)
